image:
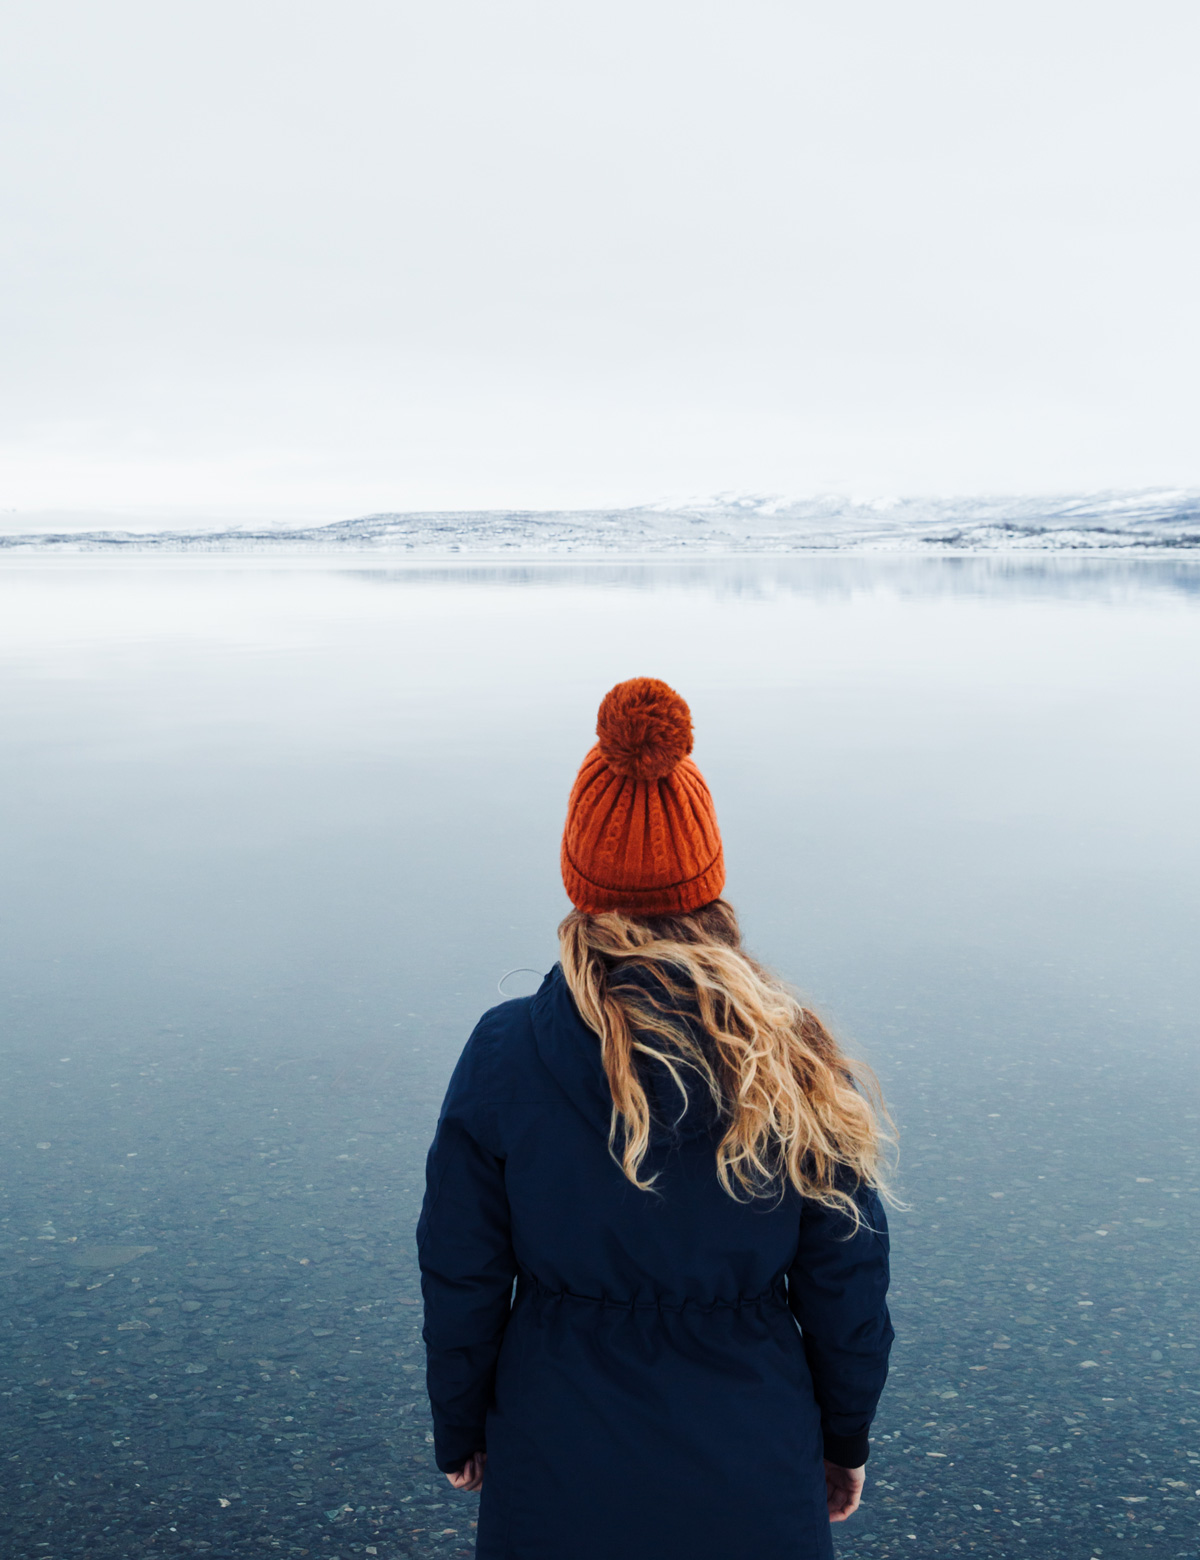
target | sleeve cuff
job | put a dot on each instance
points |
(847, 1451)
(451, 1458)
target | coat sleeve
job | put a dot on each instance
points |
(837, 1289)
(467, 1267)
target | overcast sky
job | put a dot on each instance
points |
(311, 260)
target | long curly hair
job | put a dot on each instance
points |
(794, 1108)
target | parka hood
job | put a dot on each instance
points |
(571, 1052)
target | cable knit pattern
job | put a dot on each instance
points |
(641, 831)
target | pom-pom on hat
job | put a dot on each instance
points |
(641, 832)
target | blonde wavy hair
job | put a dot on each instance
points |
(794, 1108)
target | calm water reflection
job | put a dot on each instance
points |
(270, 836)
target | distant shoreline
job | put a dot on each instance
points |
(1150, 523)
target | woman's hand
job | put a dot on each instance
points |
(470, 1475)
(843, 1490)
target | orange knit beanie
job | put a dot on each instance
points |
(641, 832)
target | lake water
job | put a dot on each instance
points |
(272, 832)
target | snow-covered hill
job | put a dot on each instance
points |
(1148, 521)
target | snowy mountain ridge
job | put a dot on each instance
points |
(1155, 520)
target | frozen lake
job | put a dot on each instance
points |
(271, 833)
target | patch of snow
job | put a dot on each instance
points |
(1150, 521)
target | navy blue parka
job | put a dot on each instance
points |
(651, 1373)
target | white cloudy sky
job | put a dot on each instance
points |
(295, 259)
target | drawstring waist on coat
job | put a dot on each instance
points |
(532, 1288)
